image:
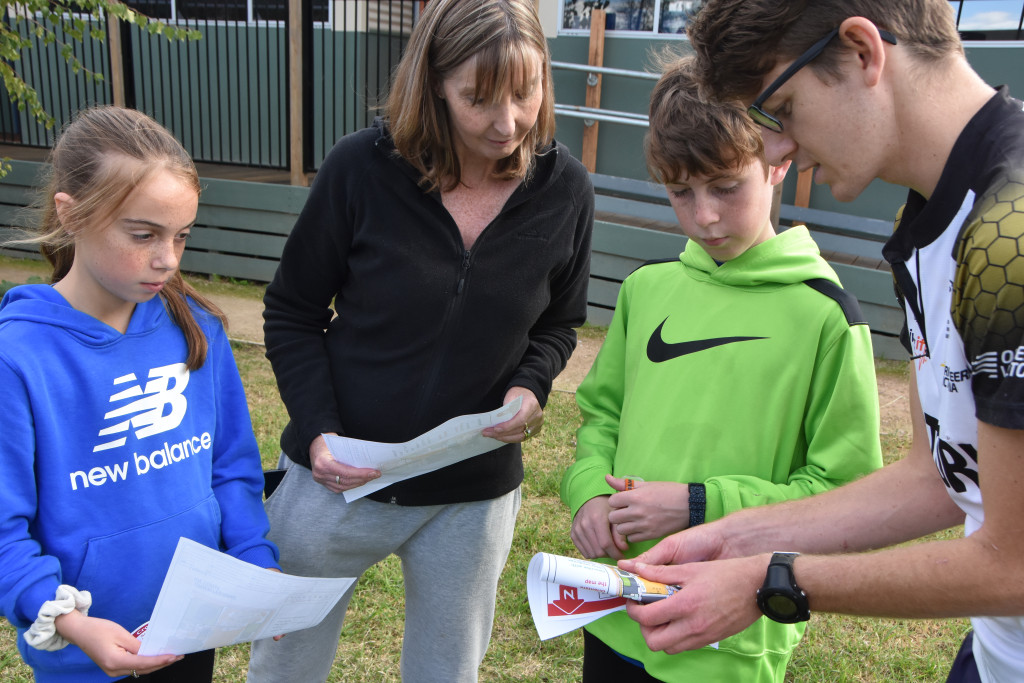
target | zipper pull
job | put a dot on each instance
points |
(465, 268)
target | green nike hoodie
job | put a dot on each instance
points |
(739, 376)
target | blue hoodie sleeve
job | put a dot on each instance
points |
(28, 578)
(237, 468)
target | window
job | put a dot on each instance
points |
(224, 10)
(989, 19)
(976, 19)
(154, 9)
(630, 17)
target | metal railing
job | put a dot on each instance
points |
(592, 114)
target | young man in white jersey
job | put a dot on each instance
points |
(857, 90)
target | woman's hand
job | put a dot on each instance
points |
(109, 645)
(524, 424)
(650, 510)
(333, 475)
(592, 533)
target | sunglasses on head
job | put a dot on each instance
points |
(767, 120)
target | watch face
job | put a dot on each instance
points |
(782, 606)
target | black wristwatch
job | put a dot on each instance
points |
(780, 598)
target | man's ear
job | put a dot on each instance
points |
(776, 174)
(861, 36)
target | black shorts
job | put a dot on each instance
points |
(194, 668)
(964, 669)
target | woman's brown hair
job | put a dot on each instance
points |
(99, 159)
(501, 34)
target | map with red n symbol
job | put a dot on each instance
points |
(570, 602)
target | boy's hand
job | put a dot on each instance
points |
(110, 646)
(593, 534)
(650, 510)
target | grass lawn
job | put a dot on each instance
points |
(835, 648)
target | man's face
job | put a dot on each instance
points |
(833, 128)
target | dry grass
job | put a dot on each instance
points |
(835, 648)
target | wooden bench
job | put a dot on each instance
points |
(635, 223)
(242, 226)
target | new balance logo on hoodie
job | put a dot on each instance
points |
(158, 408)
(155, 407)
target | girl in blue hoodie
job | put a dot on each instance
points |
(125, 425)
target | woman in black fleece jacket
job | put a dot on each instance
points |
(452, 240)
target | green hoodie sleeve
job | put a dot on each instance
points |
(599, 398)
(840, 428)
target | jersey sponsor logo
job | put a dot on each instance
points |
(951, 379)
(659, 350)
(1000, 364)
(918, 348)
(157, 407)
(957, 463)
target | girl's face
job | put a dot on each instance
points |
(486, 132)
(131, 257)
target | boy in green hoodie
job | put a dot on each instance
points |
(737, 375)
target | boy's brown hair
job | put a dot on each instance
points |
(691, 135)
(738, 42)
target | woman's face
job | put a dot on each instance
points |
(485, 132)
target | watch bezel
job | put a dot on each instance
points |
(789, 589)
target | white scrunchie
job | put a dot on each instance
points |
(42, 635)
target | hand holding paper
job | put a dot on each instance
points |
(567, 593)
(210, 599)
(455, 440)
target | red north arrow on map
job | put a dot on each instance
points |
(569, 603)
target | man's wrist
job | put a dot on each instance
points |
(780, 597)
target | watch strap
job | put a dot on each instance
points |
(698, 504)
(783, 558)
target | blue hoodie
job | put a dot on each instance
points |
(112, 450)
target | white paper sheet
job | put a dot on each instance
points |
(566, 593)
(455, 440)
(210, 599)
(558, 603)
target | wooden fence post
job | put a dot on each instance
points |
(595, 57)
(803, 191)
(295, 142)
(776, 206)
(116, 60)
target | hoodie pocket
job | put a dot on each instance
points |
(124, 571)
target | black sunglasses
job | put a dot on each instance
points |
(767, 120)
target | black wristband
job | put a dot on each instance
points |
(698, 503)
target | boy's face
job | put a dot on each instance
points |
(729, 212)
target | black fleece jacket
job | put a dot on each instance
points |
(425, 329)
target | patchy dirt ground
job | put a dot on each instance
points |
(245, 322)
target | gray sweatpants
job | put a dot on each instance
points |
(452, 557)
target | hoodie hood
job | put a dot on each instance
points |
(43, 305)
(790, 257)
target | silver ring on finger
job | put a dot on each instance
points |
(527, 432)
(337, 479)
(134, 674)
